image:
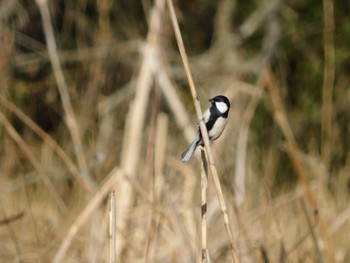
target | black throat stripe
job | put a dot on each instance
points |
(214, 115)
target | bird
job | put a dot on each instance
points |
(215, 119)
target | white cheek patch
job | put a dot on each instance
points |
(221, 106)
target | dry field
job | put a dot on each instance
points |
(96, 107)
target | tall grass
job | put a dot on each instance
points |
(95, 112)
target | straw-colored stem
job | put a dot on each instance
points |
(293, 151)
(63, 91)
(112, 227)
(135, 124)
(202, 127)
(292, 146)
(328, 82)
(31, 157)
(49, 140)
(158, 185)
(96, 200)
(204, 187)
(318, 253)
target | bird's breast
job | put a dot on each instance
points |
(217, 128)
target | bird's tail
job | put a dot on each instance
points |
(186, 155)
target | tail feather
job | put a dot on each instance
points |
(186, 155)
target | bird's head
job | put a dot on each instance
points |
(221, 103)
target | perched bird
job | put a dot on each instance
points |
(215, 119)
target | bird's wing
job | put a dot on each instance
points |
(186, 155)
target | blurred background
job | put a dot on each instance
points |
(87, 86)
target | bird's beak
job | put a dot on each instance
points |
(211, 100)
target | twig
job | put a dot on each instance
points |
(158, 185)
(256, 19)
(172, 98)
(242, 143)
(312, 231)
(63, 90)
(340, 220)
(96, 200)
(293, 152)
(241, 151)
(112, 227)
(204, 187)
(83, 55)
(136, 116)
(292, 146)
(27, 151)
(188, 245)
(203, 129)
(11, 231)
(12, 218)
(328, 82)
(223, 22)
(49, 140)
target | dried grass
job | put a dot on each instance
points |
(126, 117)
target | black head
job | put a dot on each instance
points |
(221, 103)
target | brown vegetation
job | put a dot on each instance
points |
(95, 111)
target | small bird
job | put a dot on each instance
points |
(215, 119)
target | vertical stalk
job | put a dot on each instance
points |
(112, 228)
(328, 82)
(204, 188)
(63, 91)
(203, 130)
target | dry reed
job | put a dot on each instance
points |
(122, 110)
(63, 90)
(203, 130)
(112, 228)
